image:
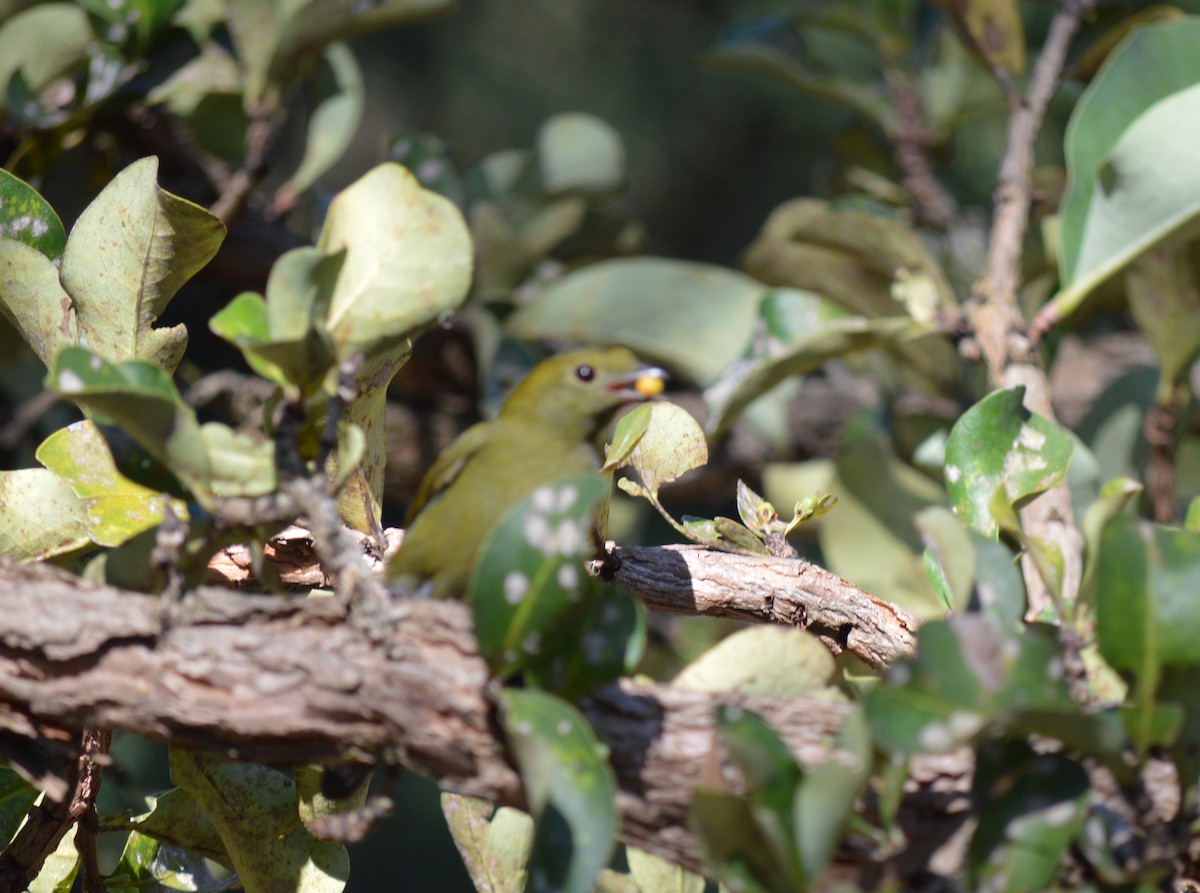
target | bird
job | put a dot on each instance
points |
(547, 428)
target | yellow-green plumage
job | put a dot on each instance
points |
(547, 429)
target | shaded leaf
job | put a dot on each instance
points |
(570, 788)
(33, 300)
(253, 809)
(142, 400)
(1164, 297)
(16, 798)
(177, 818)
(42, 43)
(147, 863)
(332, 122)
(1032, 808)
(494, 842)
(609, 303)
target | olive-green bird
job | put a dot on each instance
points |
(547, 429)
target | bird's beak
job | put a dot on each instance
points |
(641, 385)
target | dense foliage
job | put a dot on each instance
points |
(904, 390)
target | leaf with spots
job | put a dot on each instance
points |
(494, 842)
(127, 256)
(999, 444)
(1031, 808)
(971, 679)
(40, 516)
(27, 217)
(570, 788)
(536, 609)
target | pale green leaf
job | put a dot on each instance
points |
(644, 303)
(127, 256)
(40, 516)
(581, 153)
(408, 258)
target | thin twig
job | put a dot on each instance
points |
(932, 203)
(998, 321)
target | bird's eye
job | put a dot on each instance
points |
(585, 373)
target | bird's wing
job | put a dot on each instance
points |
(448, 467)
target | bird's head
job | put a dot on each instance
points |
(578, 392)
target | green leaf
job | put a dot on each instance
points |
(116, 507)
(42, 43)
(747, 381)
(16, 798)
(999, 446)
(764, 660)
(408, 258)
(1129, 186)
(148, 863)
(332, 122)
(1032, 808)
(278, 42)
(178, 819)
(672, 444)
(142, 400)
(872, 539)
(1146, 614)
(762, 60)
(27, 217)
(570, 788)
(610, 303)
(58, 872)
(536, 610)
(1164, 297)
(33, 300)
(628, 433)
(253, 809)
(240, 465)
(40, 516)
(283, 336)
(494, 841)
(127, 255)
(577, 152)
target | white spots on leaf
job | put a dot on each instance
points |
(568, 494)
(524, 727)
(40, 227)
(964, 724)
(516, 584)
(532, 643)
(563, 727)
(935, 737)
(1030, 438)
(69, 382)
(543, 499)
(610, 615)
(96, 363)
(536, 530)
(953, 474)
(568, 577)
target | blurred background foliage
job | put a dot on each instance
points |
(709, 148)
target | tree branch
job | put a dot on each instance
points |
(288, 681)
(996, 316)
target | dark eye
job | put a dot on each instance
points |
(585, 373)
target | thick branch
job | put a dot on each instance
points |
(289, 681)
(677, 580)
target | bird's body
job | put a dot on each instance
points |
(547, 429)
